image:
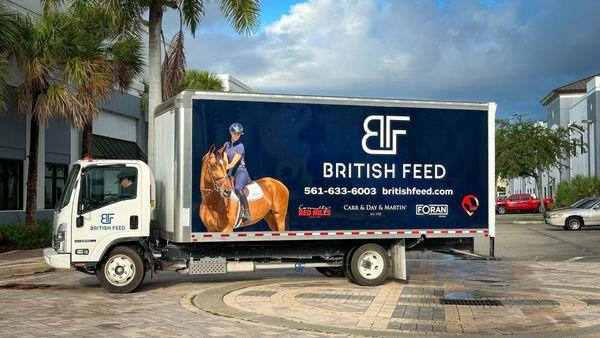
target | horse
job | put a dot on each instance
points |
(219, 212)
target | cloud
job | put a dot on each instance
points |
(511, 52)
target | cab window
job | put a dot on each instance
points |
(101, 186)
(513, 197)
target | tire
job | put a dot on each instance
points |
(540, 210)
(501, 210)
(370, 264)
(122, 270)
(347, 262)
(574, 223)
(332, 272)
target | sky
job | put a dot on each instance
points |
(511, 52)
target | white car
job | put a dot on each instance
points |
(575, 217)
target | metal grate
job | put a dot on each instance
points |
(592, 302)
(473, 302)
(208, 265)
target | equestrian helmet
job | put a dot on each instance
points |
(236, 128)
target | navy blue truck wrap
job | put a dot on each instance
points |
(337, 167)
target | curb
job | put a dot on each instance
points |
(528, 222)
(24, 269)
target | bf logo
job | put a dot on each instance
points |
(387, 136)
(107, 218)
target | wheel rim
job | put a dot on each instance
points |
(370, 264)
(500, 210)
(574, 224)
(119, 270)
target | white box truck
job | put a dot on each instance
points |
(242, 182)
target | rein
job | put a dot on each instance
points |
(214, 182)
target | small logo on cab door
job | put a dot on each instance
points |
(107, 218)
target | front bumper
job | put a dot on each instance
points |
(557, 221)
(57, 260)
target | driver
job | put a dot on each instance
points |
(127, 182)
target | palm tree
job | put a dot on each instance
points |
(67, 67)
(195, 79)
(8, 41)
(243, 15)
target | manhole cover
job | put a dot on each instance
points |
(473, 302)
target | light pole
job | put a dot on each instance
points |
(588, 123)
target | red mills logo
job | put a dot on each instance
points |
(314, 212)
(470, 204)
(387, 136)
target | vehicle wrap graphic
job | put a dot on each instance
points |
(353, 167)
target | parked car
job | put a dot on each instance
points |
(522, 202)
(574, 218)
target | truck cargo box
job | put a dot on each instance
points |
(329, 167)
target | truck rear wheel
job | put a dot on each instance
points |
(332, 272)
(370, 264)
(122, 271)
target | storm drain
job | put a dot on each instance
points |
(592, 302)
(257, 293)
(471, 302)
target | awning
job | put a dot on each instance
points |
(112, 148)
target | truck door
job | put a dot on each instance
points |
(108, 210)
(512, 202)
(525, 202)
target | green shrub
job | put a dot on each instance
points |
(20, 236)
(579, 187)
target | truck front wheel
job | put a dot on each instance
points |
(370, 264)
(122, 270)
(501, 210)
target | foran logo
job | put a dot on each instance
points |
(388, 136)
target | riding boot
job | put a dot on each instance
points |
(244, 202)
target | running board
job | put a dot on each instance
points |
(214, 265)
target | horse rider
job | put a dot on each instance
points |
(236, 166)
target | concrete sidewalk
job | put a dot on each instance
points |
(22, 263)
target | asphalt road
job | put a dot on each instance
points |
(542, 242)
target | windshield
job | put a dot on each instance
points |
(580, 202)
(66, 195)
(588, 204)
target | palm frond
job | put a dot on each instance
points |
(243, 15)
(127, 61)
(192, 12)
(201, 80)
(173, 67)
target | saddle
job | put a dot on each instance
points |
(253, 191)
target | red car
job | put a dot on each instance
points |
(522, 202)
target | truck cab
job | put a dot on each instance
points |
(105, 203)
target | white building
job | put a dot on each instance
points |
(574, 103)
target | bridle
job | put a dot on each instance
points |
(217, 187)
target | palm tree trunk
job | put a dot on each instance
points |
(31, 203)
(154, 68)
(86, 140)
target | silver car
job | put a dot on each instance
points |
(575, 217)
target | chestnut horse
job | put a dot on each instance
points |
(219, 212)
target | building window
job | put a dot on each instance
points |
(56, 176)
(11, 185)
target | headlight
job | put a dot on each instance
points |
(59, 237)
(554, 215)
